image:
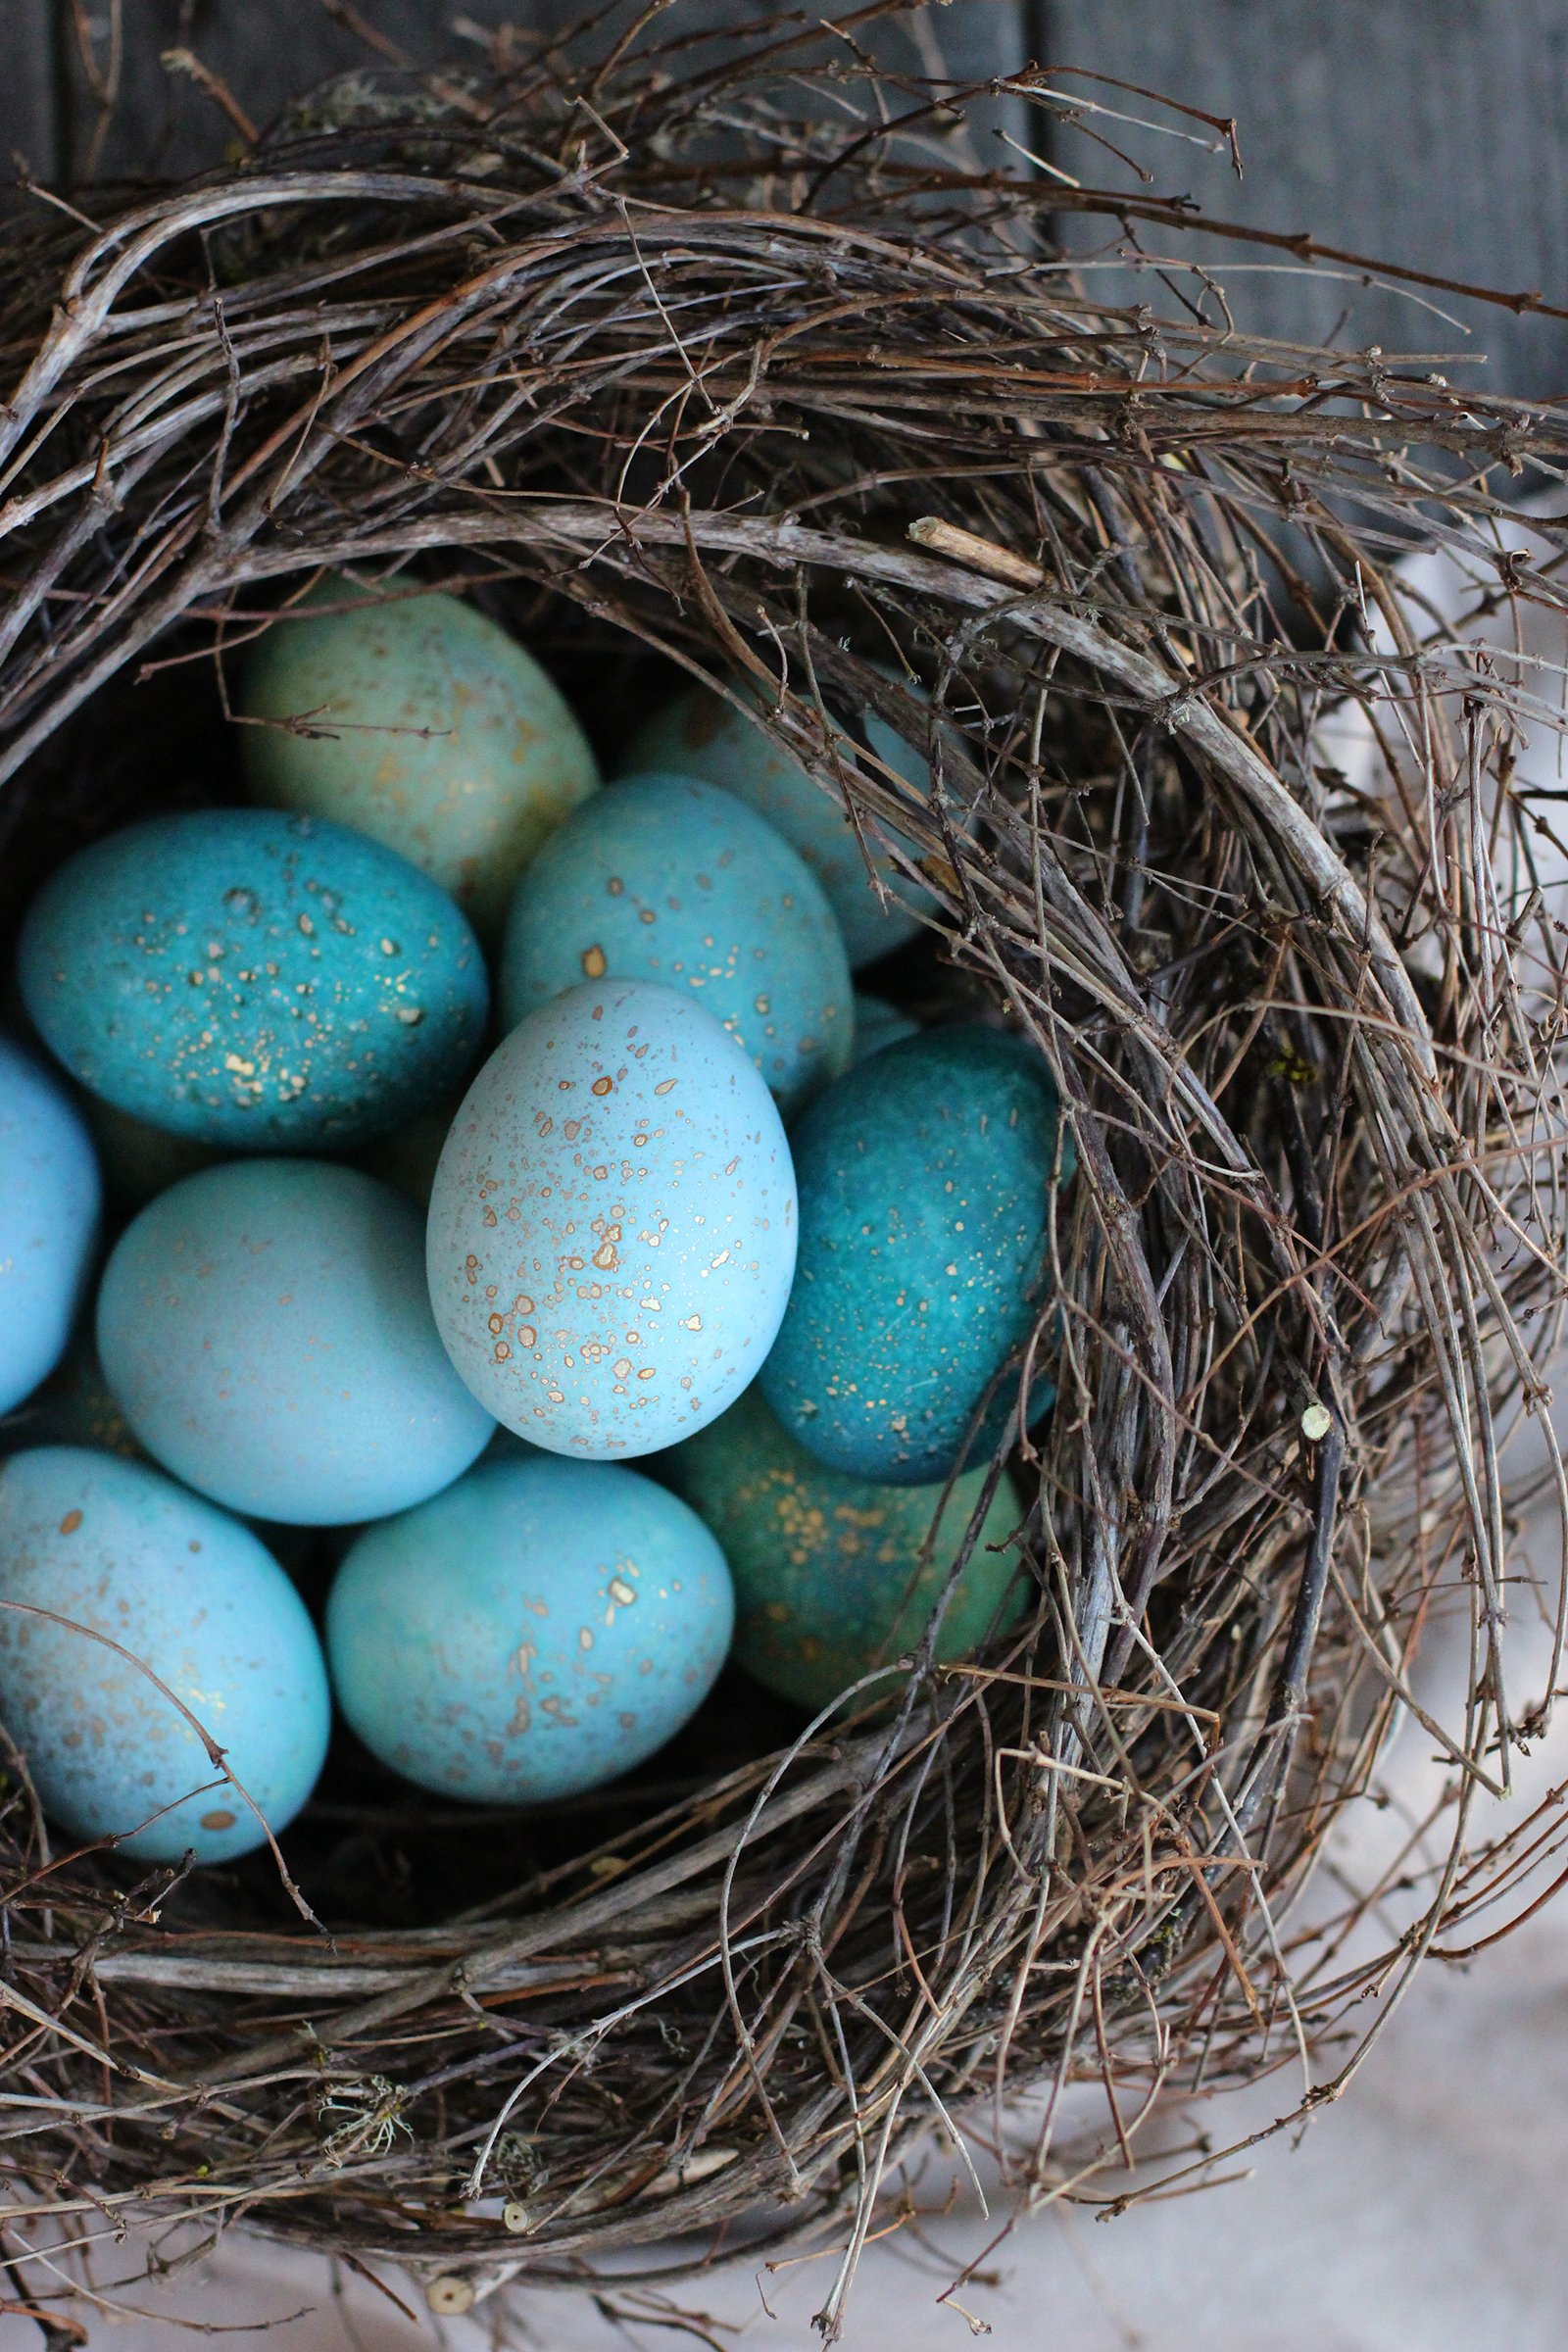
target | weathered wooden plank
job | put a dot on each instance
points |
(1433, 133)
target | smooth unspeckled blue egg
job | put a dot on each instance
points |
(665, 878)
(539, 1628)
(50, 1197)
(255, 981)
(925, 1180)
(700, 734)
(266, 1329)
(430, 728)
(118, 1548)
(835, 1577)
(611, 1233)
(878, 1024)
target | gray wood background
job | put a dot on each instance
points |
(1429, 131)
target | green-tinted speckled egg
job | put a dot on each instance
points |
(430, 728)
(925, 1180)
(700, 734)
(835, 1577)
(123, 1552)
(665, 878)
(539, 1628)
(257, 982)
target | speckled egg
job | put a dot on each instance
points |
(665, 878)
(430, 728)
(834, 1577)
(700, 734)
(925, 1180)
(263, 983)
(266, 1329)
(121, 1552)
(611, 1233)
(878, 1024)
(49, 1202)
(539, 1628)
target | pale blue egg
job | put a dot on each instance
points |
(266, 1329)
(430, 728)
(539, 1628)
(665, 878)
(612, 1232)
(925, 1182)
(878, 1024)
(120, 1550)
(700, 734)
(49, 1202)
(264, 983)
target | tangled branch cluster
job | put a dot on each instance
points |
(737, 366)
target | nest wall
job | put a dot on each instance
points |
(736, 371)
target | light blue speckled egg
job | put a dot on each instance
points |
(266, 1329)
(49, 1202)
(665, 878)
(612, 1232)
(260, 982)
(539, 1628)
(878, 1024)
(431, 730)
(700, 734)
(925, 1180)
(119, 1550)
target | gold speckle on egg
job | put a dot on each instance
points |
(593, 962)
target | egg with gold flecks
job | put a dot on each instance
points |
(257, 982)
(612, 1232)
(665, 878)
(539, 1628)
(926, 1177)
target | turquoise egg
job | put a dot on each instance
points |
(49, 1202)
(121, 1552)
(835, 1577)
(700, 734)
(254, 981)
(878, 1024)
(611, 1233)
(925, 1182)
(665, 878)
(536, 1630)
(429, 728)
(266, 1330)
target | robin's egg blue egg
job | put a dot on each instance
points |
(834, 1577)
(612, 1232)
(49, 1205)
(420, 722)
(259, 982)
(266, 1329)
(213, 1631)
(878, 1024)
(925, 1182)
(536, 1630)
(700, 734)
(665, 878)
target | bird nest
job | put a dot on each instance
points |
(744, 368)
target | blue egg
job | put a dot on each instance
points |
(255, 981)
(700, 734)
(878, 1024)
(536, 1630)
(612, 1232)
(266, 1329)
(665, 878)
(120, 1550)
(49, 1202)
(925, 1182)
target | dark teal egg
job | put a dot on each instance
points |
(259, 982)
(925, 1180)
(835, 1577)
